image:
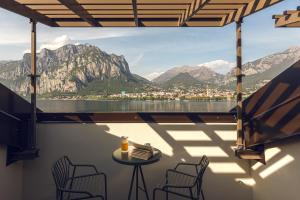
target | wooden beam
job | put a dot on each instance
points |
(23, 10)
(80, 11)
(135, 13)
(136, 117)
(277, 16)
(250, 8)
(192, 11)
(239, 77)
(289, 12)
(53, 12)
(288, 20)
(33, 76)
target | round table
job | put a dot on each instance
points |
(125, 159)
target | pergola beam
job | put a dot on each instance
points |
(192, 10)
(149, 13)
(250, 8)
(288, 19)
(33, 76)
(239, 90)
(23, 10)
(80, 11)
(135, 13)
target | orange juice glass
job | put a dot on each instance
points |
(124, 144)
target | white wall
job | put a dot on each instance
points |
(280, 178)
(10, 178)
(94, 143)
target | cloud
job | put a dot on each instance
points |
(153, 75)
(55, 44)
(17, 31)
(219, 66)
(27, 51)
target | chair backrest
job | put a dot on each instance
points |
(201, 167)
(62, 171)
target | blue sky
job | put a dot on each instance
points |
(150, 50)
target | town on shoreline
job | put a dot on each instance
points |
(191, 94)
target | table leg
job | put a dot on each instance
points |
(135, 175)
(137, 184)
(131, 183)
(144, 183)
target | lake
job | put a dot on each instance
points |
(84, 106)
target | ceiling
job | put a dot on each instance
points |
(136, 13)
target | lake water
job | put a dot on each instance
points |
(134, 106)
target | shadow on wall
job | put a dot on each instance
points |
(94, 143)
(273, 111)
(280, 178)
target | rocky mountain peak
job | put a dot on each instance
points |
(201, 73)
(66, 69)
(278, 61)
(72, 69)
(293, 49)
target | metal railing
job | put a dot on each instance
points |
(10, 116)
(259, 116)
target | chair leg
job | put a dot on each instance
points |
(61, 196)
(154, 193)
(57, 196)
(105, 187)
(202, 195)
(167, 193)
(157, 189)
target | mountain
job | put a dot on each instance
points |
(181, 80)
(200, 73)
(81, 69)
(153, 75)
(262, 70)
(87, 70)
(257, 72)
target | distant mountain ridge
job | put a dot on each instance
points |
(200, 73)
(181, 80)
(262, 70)
(71, 69)
(257, 72)
(87, 70)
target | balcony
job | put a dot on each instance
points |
(263, 128)
(227, 177)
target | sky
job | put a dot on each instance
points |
(151, 51)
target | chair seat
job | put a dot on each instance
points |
(92, 184)
(182, 183)
(72, 186)
(178, 179)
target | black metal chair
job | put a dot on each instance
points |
(183, 184)
(73, 185)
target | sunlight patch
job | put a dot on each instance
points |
(140, 133)
(217, 123)
(226, 168)
(246, 181)
(269, 153)
(208, 151)
(176, 124)
(189, 135)
(276, 166)
(227, 135)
